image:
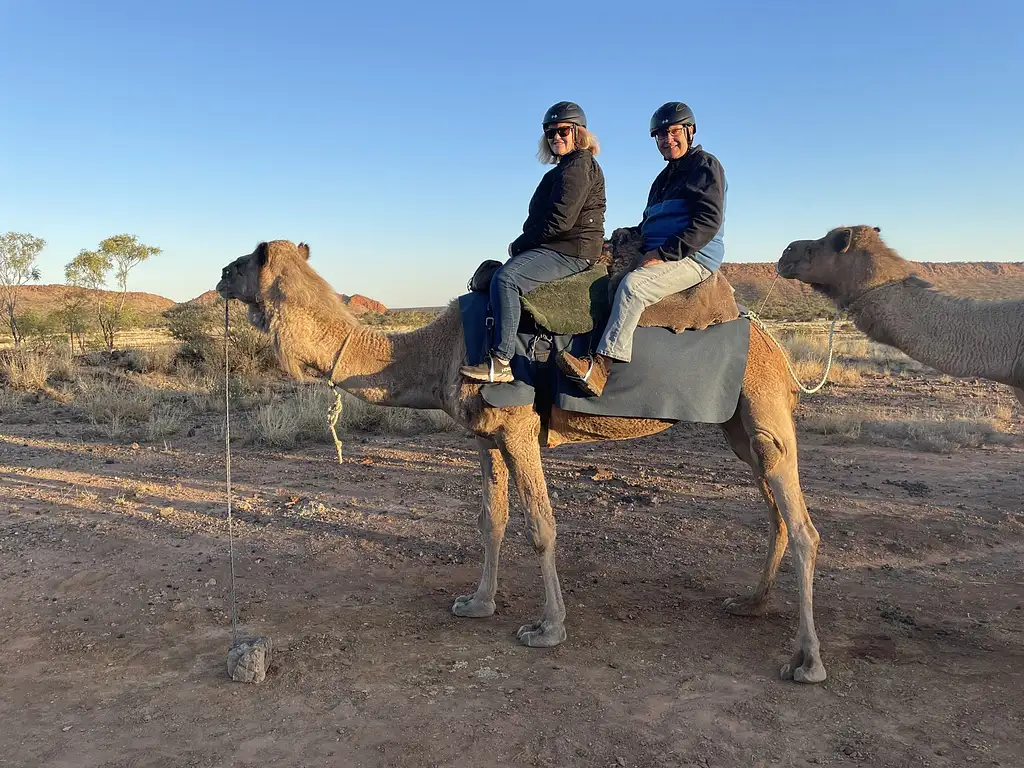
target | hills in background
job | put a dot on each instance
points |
(790, 300)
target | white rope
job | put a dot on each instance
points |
(828, 364)
(227, 464)
(332, 418)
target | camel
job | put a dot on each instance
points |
(892, 305)
(314, 334)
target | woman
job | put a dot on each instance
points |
(563, 233)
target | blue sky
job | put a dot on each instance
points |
(398, 138)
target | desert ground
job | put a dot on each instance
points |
(115, 601)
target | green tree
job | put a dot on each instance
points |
(89, 269)
(18, 254)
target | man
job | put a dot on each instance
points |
(682, 229)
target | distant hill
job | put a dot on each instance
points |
(357, 303)
(207, 299)
(361, 304)
(793, 300)
(44, 299)
(790, 300)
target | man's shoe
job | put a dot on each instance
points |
(490, 371)
(589, 373)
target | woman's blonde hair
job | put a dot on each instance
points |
(584, 140)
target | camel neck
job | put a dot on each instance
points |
(958, 336)
(402, 369)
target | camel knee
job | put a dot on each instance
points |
(768, 451)
(491, 520)
(804, 537)
(542, 534)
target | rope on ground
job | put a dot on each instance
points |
(227, 465)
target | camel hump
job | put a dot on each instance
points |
(707, 303)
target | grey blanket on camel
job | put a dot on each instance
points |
(691, 376)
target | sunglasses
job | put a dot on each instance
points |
(662, 134)
(563, 130)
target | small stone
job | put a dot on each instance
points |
(66, 728)
(211, 583)
(620, 760)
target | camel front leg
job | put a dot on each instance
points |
(522, 454)
(756, 603)
(775, 454)
(492, 521)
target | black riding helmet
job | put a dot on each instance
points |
(565, 112)
(672, 113)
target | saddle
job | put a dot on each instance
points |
(579, 303)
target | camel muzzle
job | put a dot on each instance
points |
(785, 268)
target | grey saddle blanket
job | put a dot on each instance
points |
(690, 376)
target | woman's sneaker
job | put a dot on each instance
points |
(492, 370)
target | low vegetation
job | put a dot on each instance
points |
(174, 387)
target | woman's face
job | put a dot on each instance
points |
(560, 138)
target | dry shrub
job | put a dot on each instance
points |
(803, 346)
(165, 420)
(926, 431)
(301, 416)
(117, 408)
(810, 372)
(25, 370)
(158, 359)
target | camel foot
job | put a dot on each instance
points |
(541, 634)
(804, 667)
(747, 605)
(472, 607)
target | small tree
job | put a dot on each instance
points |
(38, 328)
(73, 317)
(89, 269)
(18, 254)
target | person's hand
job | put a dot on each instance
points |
(651, 257)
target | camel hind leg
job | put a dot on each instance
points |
(492, 521)
(756, 603)
(773, 449)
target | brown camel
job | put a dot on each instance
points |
(313, 332)
(962, 337)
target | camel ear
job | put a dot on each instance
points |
(841, 240)
(261, 254)
(304, 250)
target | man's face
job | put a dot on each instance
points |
(673, 142)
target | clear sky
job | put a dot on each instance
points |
(398, 138)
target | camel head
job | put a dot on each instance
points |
(241, 278)
(844, 263)
(249, 277)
